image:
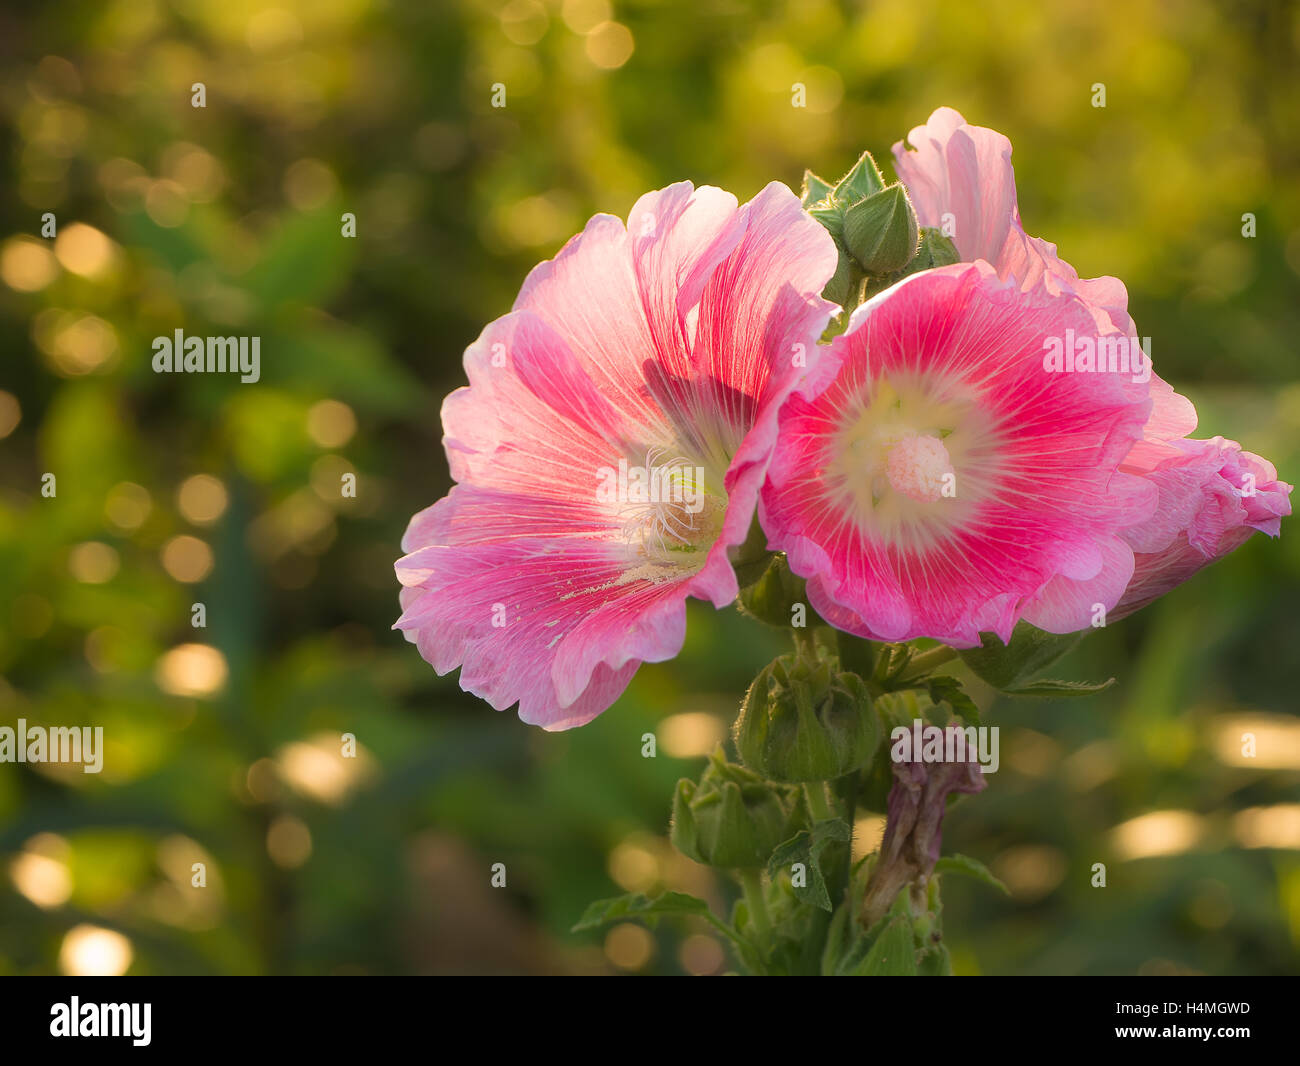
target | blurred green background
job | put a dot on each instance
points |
(223, 743)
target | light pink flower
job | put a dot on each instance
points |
(667, 344)
(1212, 497)
(961, 174)
(943, 484)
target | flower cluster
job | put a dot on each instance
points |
(927, 472)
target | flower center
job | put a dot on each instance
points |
(670, 512)
(919, 467)
(908, 459)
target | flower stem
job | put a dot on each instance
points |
(818, 807)
(921, 663)
(805, 644)
(752, 882)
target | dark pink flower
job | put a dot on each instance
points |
(943, 484)
(960, 179)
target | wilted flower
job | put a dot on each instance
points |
(913, 836)
(610, 447)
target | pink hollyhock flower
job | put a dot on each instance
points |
(610, 448)
(943, 483)
(961, 174)
(1213, 496)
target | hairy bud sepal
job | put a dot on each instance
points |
(732, 818)
(805, 720)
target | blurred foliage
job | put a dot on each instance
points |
(223, 742)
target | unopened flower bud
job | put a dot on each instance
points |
(881, 232)
(804, 720)
(733, 818)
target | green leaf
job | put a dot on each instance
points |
(648, 909)
(945, 689)
(1058, 690)
(968, 867)
(635, 906)
(893, 954)
(1029, 651)
(806, 847)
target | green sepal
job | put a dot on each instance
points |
(934, 250)
(814, 189)
(772, 598)
(733, 818)
(893, 954)
(863, 179)
(935, 962)
(805, 720)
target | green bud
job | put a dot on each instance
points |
(881, 231)
(733, 818)
(751, 558)
(804, 720)
(777, 596)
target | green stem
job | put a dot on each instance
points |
(752, 882)
(921, 663)
(818, 806)
(805, 643)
